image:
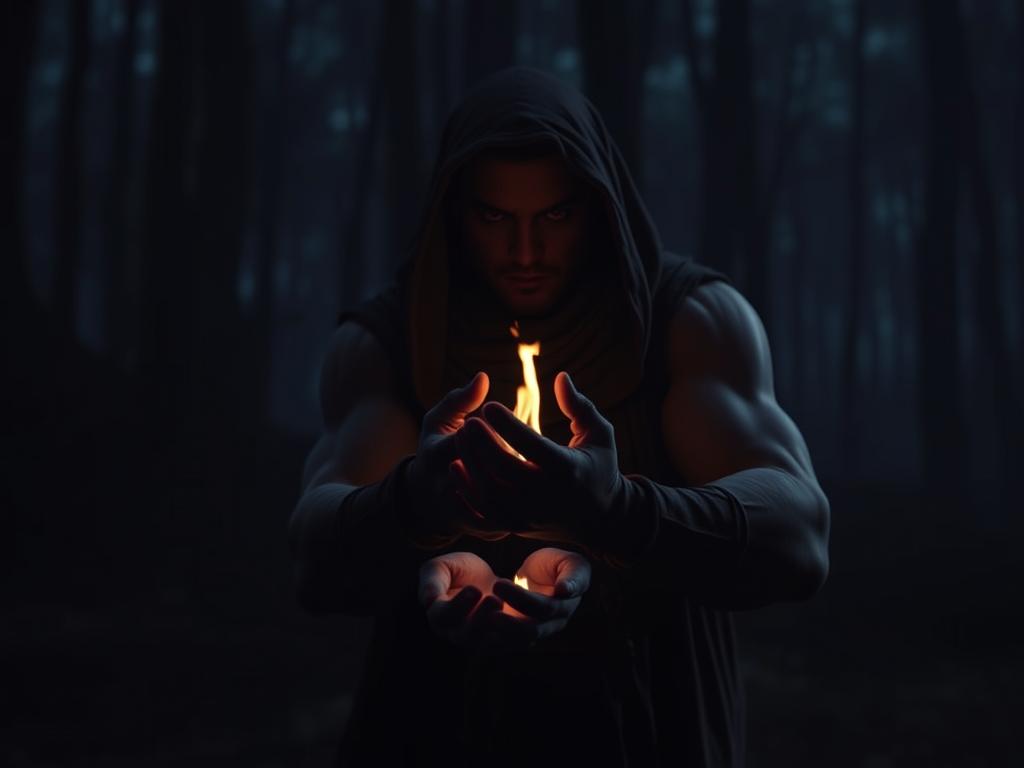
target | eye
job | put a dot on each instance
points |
(491, 215)
(557, 214)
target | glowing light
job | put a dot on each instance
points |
(522, 582)
(527, 408)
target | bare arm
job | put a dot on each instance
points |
(366, 433)
(725, 431)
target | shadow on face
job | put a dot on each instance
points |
(524, 221)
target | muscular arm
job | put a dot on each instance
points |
(340, 553)
(752, 527)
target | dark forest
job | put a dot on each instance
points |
(192, 191)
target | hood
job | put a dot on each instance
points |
(515, 107)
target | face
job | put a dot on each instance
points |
(524, 225)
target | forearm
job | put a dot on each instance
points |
(748, 539)
(352, 544)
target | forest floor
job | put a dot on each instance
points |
(905, 658)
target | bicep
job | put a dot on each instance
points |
(720, 415)
(366, 429)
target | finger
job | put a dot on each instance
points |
(484, 493)
(435, 581)
(478, 440)
(449, 614)
(582, 413)
(472, 633)
(573, 575)
(536, 448)
(449, 413)
(531, 604)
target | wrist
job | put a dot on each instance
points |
(414, 515)
(620, 531)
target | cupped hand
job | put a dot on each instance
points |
(557, 580)
(554, 491)
(436, 507)
(456, 589)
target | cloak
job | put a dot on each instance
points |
(642, 675)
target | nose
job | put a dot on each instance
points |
(527, 248)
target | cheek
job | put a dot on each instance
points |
(486, 245)
(565, 244)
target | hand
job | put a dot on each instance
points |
(557, 581)
(557, 491)
(436, 508)
(456, 591)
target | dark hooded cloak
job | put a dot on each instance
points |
(639, 676)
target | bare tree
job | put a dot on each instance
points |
(118, 308)
(69, 168)
(943, 426)
(269, 219)
(855, 283)
(616, 83)
(492, 29)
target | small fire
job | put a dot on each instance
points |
(527, 408)
(506, 608)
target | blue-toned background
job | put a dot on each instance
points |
(192, 190)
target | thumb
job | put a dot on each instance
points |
(573, 576)
(579, 410)
(453, 408)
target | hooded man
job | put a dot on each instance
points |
(665, 488)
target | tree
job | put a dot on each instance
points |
(69, 169)
(119, 305)
(616, 83)
(944, 430)
(856, 271)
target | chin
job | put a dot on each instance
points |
(531, 305)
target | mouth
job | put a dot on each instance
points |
(526, 279)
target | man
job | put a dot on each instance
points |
(666, 489)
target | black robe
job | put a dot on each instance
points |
(642, 675)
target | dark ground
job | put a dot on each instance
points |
(892, 664)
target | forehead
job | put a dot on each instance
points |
(517, 183)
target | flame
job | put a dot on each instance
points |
(506, 608)
(527, 408)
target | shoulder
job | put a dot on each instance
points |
(356, 366)
(715, 331)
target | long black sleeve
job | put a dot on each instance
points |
(742, 541)
(358, 546)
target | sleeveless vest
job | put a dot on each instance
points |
(639, 676)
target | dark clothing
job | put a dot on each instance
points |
(644, 674)
(638, 677)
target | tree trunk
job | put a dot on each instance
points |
(167, 277)
(223, 162)
(616, 84)
(118, 309)
(271, 193)
(404, 160)
(69, 169)
(855, 274)
(943, 427)
(351, 269)
(19, 35)
(993, 338)
(491, 31)
(731, 235)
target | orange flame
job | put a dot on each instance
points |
(527, 408)
(506, 608)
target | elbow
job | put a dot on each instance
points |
(813, 557)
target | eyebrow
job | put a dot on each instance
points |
(571, 199)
